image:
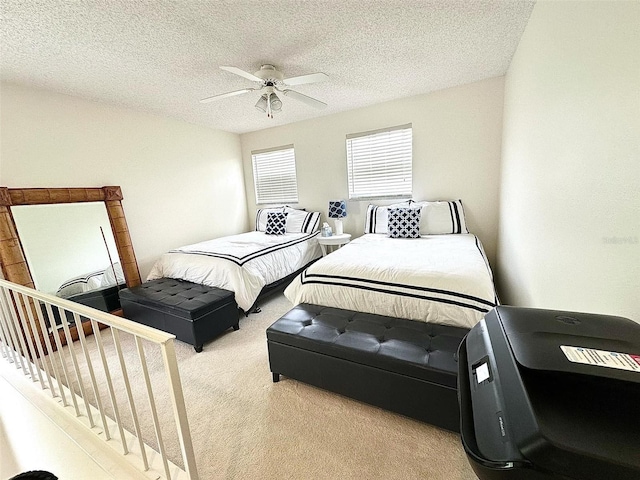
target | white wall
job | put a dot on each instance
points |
(181, 183)
(457, 136)
(570, 202)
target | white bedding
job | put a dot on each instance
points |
(442, 279)
(241, 263)
(92, 281)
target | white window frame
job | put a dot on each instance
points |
(274, 175)
(380, 163)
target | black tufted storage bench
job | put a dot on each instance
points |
(401, 365)
(193, 313)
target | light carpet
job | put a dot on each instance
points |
(244, 426)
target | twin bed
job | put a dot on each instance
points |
(99, 289)
(442, 279)
(249, 263)
(107, 277)
(415, 261)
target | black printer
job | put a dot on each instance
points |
(550, 394)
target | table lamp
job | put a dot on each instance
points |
(338, 210)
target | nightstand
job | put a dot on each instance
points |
(334, 240)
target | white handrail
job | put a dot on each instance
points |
(148, 333)
(25, 342)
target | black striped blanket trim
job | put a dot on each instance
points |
(83, 279)
(252, 256)
(376, 286)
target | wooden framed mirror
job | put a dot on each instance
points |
(13, 258)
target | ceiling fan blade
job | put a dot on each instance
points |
(242, 73)
(310, 78)
(225, 95)
(312, 102)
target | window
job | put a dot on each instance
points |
(379, 163)
(274, 175)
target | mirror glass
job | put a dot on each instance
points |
(69, 248)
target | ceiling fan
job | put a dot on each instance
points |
(269, 79)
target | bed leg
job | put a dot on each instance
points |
(236, 326)
(197, 348)
(253, 309)
(276, 377)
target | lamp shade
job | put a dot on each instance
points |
(337, 209)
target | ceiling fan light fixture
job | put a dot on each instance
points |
(262, 103)
(276, 103)
(269, 103)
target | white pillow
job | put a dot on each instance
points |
(437, 218)
(300, 221)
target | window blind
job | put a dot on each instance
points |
(274, 175)
(379, 163)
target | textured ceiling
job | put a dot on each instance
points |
(163, 56)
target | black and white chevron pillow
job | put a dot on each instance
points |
(276, 223)
(404, 223)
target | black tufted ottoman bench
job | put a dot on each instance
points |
(405, 366)
(193, 313)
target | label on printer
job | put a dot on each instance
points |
(602, 358)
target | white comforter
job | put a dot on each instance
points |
(436, 278)
(241, 263)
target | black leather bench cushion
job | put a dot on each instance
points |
(407, 347)
(105, 298)
(178, 297)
